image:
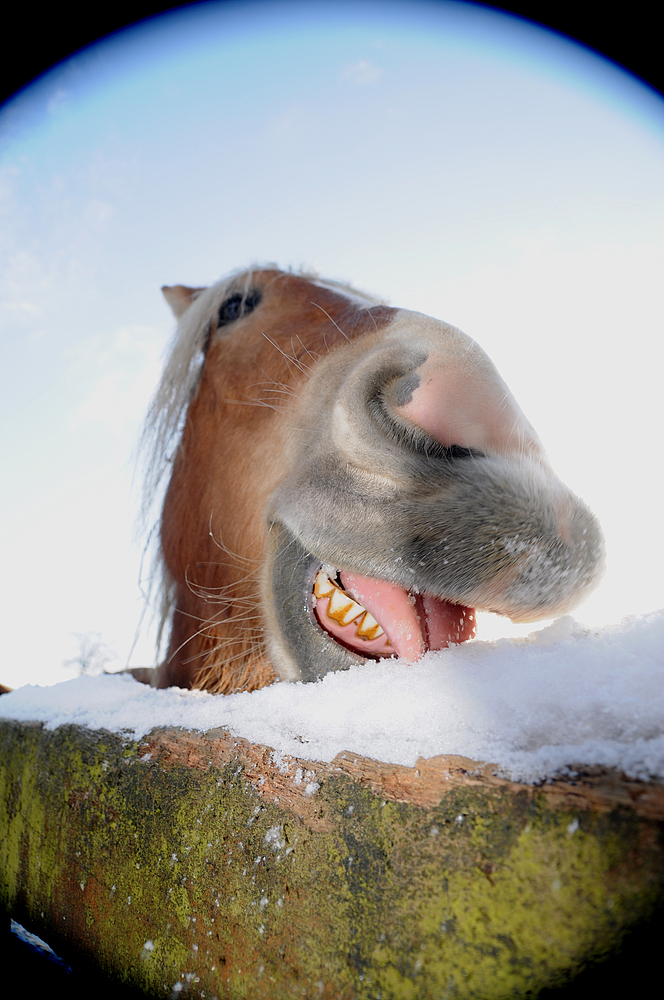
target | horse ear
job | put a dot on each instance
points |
(179, 297)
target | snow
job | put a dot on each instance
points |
(534, 707)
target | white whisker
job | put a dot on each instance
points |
(331, 320)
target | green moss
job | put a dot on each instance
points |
(170, 875)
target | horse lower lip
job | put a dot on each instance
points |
(406, 624)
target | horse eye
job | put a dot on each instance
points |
(236, 306)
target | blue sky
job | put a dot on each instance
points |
(449, 158)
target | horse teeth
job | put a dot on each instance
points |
(368, 627)
(343, 609)
(323, 586)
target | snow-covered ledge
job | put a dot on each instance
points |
(534, 707)
(487, 819)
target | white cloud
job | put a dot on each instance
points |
(123, 370)
(362, 72)
(57, 101)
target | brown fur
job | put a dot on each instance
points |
(229, 461)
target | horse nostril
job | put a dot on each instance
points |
(462, 403)
(459, 451)
(398, 399)
(400, 392)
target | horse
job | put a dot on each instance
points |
(349, 481)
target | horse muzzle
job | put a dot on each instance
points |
(421, 496)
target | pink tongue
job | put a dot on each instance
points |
(412, 624)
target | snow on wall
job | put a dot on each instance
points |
(534, 707)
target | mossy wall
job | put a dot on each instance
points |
(215, 868)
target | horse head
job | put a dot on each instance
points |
(349, 481)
